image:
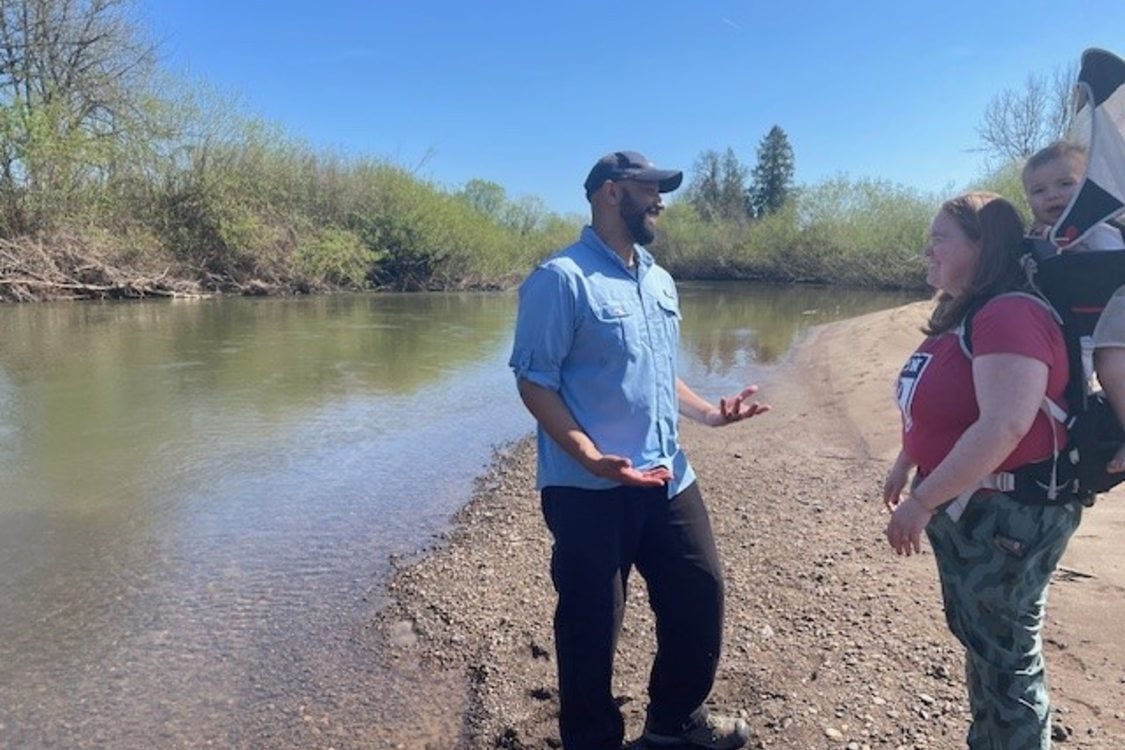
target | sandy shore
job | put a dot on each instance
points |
(831, 640)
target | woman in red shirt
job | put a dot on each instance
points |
(966, 418)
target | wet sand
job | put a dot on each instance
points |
(831, 640)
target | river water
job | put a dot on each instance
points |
(199, 499)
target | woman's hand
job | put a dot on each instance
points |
(908, 516)
(897, 477)
(908, 521)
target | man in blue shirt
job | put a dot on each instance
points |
(595, 359)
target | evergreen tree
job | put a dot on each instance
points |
(773, 175)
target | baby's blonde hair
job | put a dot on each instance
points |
(1056, 150)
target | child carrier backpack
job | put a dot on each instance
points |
(1075, 286)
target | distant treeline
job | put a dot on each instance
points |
(118, 182)
(739, 222)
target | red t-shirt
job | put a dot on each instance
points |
(935, 388)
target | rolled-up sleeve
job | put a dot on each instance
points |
(544, 328)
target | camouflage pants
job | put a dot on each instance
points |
(995, 563)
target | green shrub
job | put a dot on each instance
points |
(335, 257)
(854, 232)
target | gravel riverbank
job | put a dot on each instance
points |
(831, 641)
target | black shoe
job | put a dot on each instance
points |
(712, 732)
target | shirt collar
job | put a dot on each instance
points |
(642, 257)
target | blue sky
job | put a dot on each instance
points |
(529, 94)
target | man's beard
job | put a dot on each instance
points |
(634, 217)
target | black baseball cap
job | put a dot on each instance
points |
(629, 165)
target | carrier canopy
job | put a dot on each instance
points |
(1077, 286)
(1099, 125)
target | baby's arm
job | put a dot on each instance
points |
(1109, 362)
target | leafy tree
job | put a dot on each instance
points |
(718, 186)
(1018, 122)
(73, 81)
(524, 216)
(485, 196)
(773, 175)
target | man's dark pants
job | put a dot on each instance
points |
(599, 536)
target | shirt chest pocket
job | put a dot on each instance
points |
(631, 327)
(616, 323)
(668, 315)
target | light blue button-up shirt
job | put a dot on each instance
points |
(606, 340)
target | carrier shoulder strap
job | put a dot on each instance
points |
(965, 330)
(965, 338)
(1009, 481)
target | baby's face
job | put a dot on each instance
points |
(1049, 186)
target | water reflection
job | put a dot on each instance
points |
(87, 383)
(732, 330)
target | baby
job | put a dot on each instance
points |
(1050, 178)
